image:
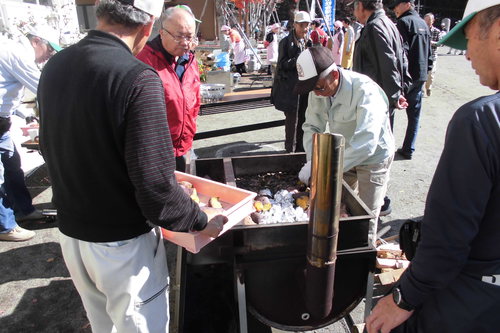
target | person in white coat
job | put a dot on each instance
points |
(18, 70)
(238, 47)
(353, 105)
(271, 44)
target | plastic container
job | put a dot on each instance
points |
(237, 204)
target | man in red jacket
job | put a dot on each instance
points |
(170, 54)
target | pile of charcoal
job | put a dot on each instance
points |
(281, 198)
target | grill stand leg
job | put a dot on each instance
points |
(369, 294)
(239, 278)
(179, 289)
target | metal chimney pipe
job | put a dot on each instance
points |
(326, 191)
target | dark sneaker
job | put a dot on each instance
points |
(33, 216)
(405, 155)
(386, 208)
(428, 92)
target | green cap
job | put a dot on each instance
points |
(455, 38)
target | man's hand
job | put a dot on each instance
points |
(215, 221)
(305, 173)
(401, 103)
(385, 316)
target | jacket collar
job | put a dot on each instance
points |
(344, 93)
(92, 34)
(408, 13)
(376, 14)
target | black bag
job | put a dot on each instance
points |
(409, 237)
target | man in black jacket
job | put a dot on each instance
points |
(108, 149)
(282, 96)
(453, 282)
(379, 54)
(416, 42)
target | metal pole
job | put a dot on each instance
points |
(323, 14)
(326, 191)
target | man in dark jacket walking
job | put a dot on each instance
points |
(282, 96)
(379, 54)
(416, 42)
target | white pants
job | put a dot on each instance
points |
(370, 182)
(123, 285)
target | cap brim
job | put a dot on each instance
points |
(306, 86)
(455, 38)
(56, 47)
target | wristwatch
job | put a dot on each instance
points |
(400, 302)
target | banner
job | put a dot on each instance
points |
(328, 7)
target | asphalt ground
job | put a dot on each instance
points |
(36, 292)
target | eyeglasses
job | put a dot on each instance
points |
(180, 39)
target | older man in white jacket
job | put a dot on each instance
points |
(18, 69)
(353, 105)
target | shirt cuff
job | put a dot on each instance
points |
(201, 222)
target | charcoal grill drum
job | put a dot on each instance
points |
(270, 260)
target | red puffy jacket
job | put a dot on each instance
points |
(182, 98)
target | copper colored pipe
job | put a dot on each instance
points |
(326, 190)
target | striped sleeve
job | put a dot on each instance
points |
(150, 159)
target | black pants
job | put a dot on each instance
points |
(240, 68)
(180, 163)
(293, 126)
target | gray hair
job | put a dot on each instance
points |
(170, 11)
(488, 17)
(115, 12)
(429, 15)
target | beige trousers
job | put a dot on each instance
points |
(123, 285)
(430, 77)
(370, 182)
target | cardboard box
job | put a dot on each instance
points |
(237, 204)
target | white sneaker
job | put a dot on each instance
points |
(33, 216)
(17, 234)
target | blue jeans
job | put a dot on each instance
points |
(414, 99)
(7, 220)
(18, 197)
